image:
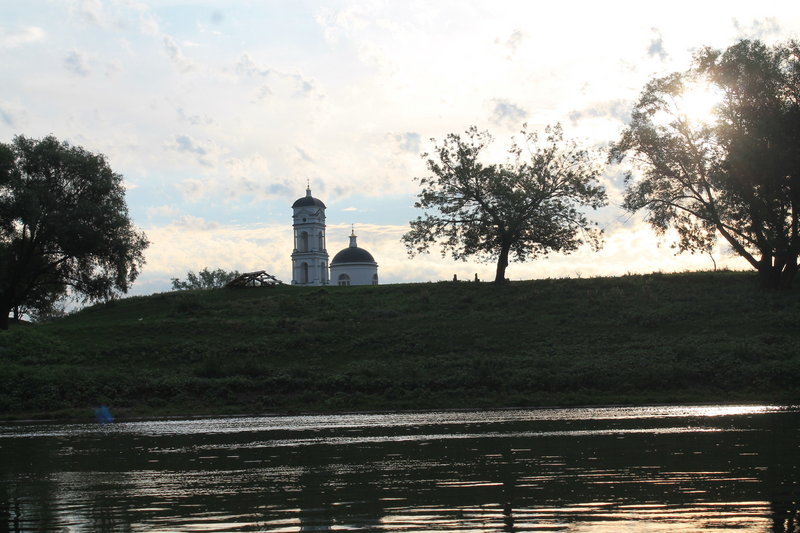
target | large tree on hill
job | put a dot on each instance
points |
(64, 226)
(735, 174)
(530, 206)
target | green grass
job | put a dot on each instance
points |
(695, 337)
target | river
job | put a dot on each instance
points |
(658, 469)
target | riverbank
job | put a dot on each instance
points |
(661, 338)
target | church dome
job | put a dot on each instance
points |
(308, 201)
(353, 254)
(354, 266)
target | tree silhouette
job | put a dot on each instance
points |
(528, 207)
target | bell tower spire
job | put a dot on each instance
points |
(309, 257)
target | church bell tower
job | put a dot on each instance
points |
(309, 258)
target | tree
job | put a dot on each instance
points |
(64, 227)
(204, 279)
(528, 207)
(736, 175)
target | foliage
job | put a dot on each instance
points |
(45, 301)
(64, 225)
(527, 207)
(204, 279)
(737, 176)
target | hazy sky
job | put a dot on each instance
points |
(217, 113)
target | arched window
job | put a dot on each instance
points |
(321, 240)
(304, 273)
(375, 278)
(304, 241)
(344, 280)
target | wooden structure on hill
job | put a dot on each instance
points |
(254, 279)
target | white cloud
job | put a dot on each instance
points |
(175, 54)
(507, 114)
(656, 47)
(760, 28)
(77, 63)
(91, 11)
(149, 25)
(193, 243)
(10, 114)
(16, 38)
(162, 211)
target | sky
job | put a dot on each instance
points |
(219, 113)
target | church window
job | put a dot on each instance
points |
(344, 280)
(304, 273)
(304, 241)
(375, 279)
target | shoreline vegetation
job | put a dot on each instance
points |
(701, 337)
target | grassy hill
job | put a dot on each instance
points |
(696, 337)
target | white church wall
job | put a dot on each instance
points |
(359, 274)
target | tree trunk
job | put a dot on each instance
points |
(788, 274)
(777, 277)
(502, 263)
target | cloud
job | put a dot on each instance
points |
(247, 67)
(148, 25)
(758, 28)
(280, 189)
(615, 109)
(250, 178)
(175, 54)
(194, 120)
(350, 209)
(512, 42)
(656, 47)
(409, 142)
(193, 243)
(76, 63)
(90, 11)
(507, 114)
(7, 118)
(192, 189)
(196, 223)
(27, 35)
(303, 155)
(166, 211)
(184, 143)
(282, 82)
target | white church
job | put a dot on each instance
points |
(351, 266)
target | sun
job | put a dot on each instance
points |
(697, 103)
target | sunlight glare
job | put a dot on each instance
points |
(698, 102)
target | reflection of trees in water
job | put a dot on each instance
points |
(480, 482)
(315, 501)
(780, 449)
(508, 477)
(27, 490)
(785, 517)
(10, 514)
(342, 495)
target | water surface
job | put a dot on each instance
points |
(601, 470)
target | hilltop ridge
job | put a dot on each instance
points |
(659, 338)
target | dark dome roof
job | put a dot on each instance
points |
(308, 201)
(353, 254)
